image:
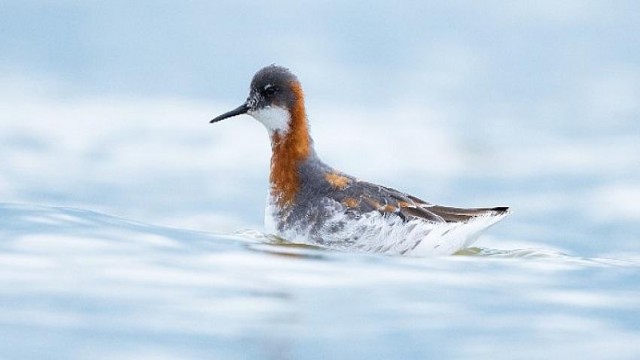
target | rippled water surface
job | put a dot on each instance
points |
(104, 131)
(79, 284)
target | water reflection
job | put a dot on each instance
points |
(122, 289)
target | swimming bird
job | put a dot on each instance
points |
(310, 202)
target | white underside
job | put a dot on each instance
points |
(270, 225)
(375, 232)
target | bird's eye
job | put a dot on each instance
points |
(270, 90)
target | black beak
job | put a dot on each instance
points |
(242, 109)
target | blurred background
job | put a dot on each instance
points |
(105, 106)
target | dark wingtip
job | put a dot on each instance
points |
(501, 209)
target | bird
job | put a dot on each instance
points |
(310, 202)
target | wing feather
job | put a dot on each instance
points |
(363, 197)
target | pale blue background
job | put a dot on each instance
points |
(104, 106)
(533, 105)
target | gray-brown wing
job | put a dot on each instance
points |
(364, 197)
(453, 214)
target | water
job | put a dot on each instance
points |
(80, 284)
(557, 278)
(528, 105)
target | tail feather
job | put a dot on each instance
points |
(451, 214)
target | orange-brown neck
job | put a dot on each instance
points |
(289, 149)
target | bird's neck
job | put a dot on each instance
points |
(289, 149)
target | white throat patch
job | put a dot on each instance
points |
(274, 118)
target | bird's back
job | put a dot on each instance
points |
(336, 210)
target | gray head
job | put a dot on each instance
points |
(274, 94)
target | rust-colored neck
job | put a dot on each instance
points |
(289, 149)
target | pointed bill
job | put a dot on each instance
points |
(242, 109)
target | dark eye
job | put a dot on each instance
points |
(270, 90)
